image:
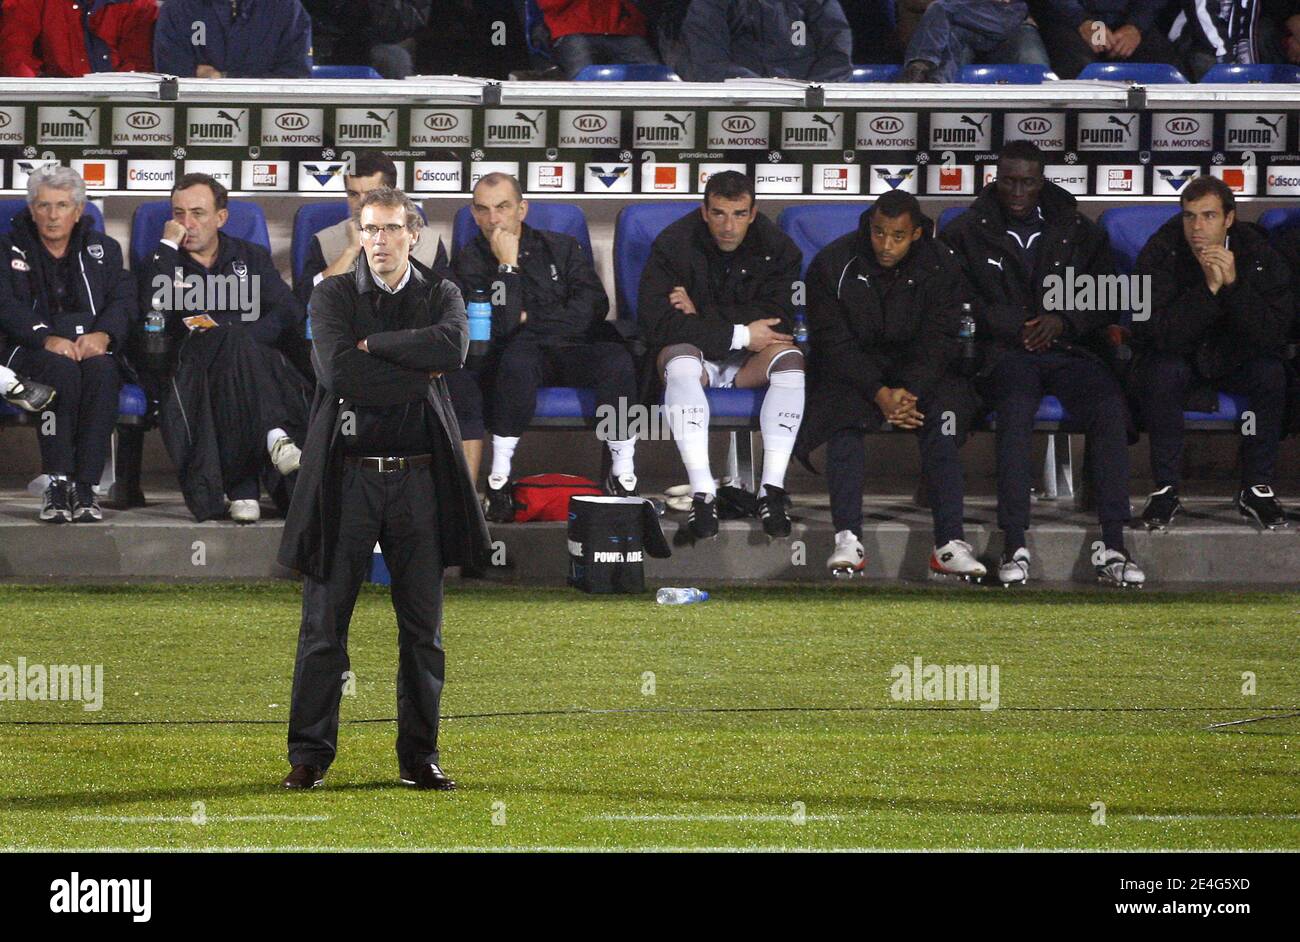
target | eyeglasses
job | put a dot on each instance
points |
(392, 229)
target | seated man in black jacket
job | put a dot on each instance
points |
(717, 300)
(1079, 32)
(1220, 316)
(1022, 234)
(884, 310)
(548, 306)
(66, 303)
(234, 400)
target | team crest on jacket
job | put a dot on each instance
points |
(95, 251)
(240, 268)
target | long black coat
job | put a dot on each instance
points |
(431, 334)
(862, 338)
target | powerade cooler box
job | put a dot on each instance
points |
(608, 540)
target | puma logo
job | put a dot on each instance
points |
(788, 428)
(997, 262)
(680, 122)
(1117, 120)
(384, 121)
(1271, 125)
(84, 119)
(520, 116)
(818, 119)
(233, 119)
(977, 125)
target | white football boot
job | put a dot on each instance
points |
(1014, 571)
(956, 560)
(849, 558)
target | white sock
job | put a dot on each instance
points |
(503, 450)
(274, 436)
(8, 379)
(779, 421)
(688, 416)
(622, 454)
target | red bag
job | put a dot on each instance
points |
(546, 496)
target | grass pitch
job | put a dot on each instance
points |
(761, 719)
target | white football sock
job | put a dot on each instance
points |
(622, 454)
(688, 416)
(779, 421)
(274, 436)
(503, 450)
(8, 379)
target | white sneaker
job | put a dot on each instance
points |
(956, 558)
(285, 455)
(245, 511)
(849, 558)
(1014, 571)
(1116, 569)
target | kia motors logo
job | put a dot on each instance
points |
(292, 121)
(440, 121)
(1182, 126)
(738, 124)
(4, 119)
(887, 124)
(143, 120)
(1034, 125)
(590, 123)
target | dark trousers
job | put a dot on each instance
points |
(397, 509)
(525, 365)
(1070, 53)
(578, 50)
(85, 410)
(1091, 395)
(846, 474)
(1164, 380)
(954, 33)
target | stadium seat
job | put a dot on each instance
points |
(310, 219)
(556, 217)
(1226, 73)
(1139, 73)
(11, 208)
(539, 56)
(947, 216)
(1280, 219)
(1129, 228)
(634, 233)
(344, 72)
(814, 227)
(246, 222)
(1006, 74)
(876, 72)
(632, 72)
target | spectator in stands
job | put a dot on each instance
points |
(1020, 230)
(1220, 318)
(546, 331)
(1206, 32)
(66, 303)
(884, 306)
(58, 39)
(233, 39)
(595, 32)
(1282, 25)
(665, 19)
(797, 39)
(1077, 32)
(235, 407)
(955, 33)
(376, 33)
(716, 301)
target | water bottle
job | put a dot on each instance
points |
(671, 596)
(966, 337)
(800, 330)
(479, 310)
(157, 345)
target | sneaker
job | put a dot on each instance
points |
(1162, 506)
(773, 510)
(285, 455)
(956, 558)
(1117, 569)
(1259, 504)
(29, 395)
(500, 503)
(703, 519)
(245, 511)
(624, 485)
(85, 506)
(1014, 569)
(54, 503)
(849, 558)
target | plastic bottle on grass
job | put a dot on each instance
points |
(671, 596)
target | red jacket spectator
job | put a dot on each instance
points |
(49, 37)
(592, 17)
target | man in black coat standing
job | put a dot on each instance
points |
(1019, 242)
(382, 462)
(1221, 314)
(884, 313)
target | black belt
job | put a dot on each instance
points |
(388, 464)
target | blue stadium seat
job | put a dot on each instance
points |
(1129, 228)
(814, 227)
(11, 208)
(310, 219)
(538, 56)
(634, 233)
(947, 216)
(876, 72)
(1140, 73)
(631, 72)
(246, 222)
(564, 402)
(1006, 74)
(1225, 73)
(1280, 219)
(555, 217)
(344, 72)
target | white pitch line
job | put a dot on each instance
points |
(189, 819)
(526, 849)
(1211, 817)
(785, 818)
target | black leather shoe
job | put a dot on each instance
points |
(54, 504)
(428, 776)
(304, 776)
(30, 395)
(703, 518)
(500, 503)
(85, 505)
(773, 510)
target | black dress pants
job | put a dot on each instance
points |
(85, 410)
(525, 365)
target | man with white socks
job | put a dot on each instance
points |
(717, 299)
